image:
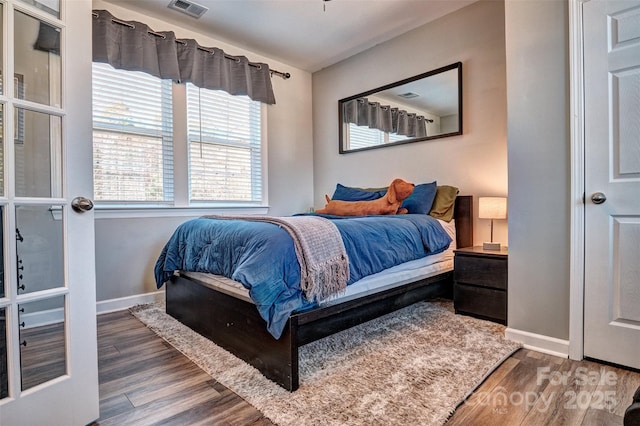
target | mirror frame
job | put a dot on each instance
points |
(341, 139)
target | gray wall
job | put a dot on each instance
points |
(539, 165)
(127, 247)
(475, 162)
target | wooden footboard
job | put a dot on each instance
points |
(235, 324)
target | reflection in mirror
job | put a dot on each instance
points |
(427, 106)
(2, 280)
(51, 7)
(38, 163)
(42, 341)
(1, 149)
(39, 248)
(37, 60)
(4, 371)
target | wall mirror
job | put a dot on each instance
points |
(423, 107)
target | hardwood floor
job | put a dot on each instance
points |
(143, 380)
(42, 354)
(531, 388)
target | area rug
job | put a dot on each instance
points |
(410, 367)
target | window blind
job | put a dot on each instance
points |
(362, 136)
(225, 144)
(132, 136)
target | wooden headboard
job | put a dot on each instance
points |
(463, 215)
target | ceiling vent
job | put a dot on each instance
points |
(408, 95)
(187, 7)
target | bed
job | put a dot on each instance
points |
(220, 308)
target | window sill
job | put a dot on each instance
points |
(129, 212)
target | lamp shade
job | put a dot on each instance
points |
(492, 208)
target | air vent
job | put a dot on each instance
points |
(408, 95)
(188, 8)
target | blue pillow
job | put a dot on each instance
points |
(346, 193)
(421, 199)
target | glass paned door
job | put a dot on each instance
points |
(48, 358)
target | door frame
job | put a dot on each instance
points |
(577, 187)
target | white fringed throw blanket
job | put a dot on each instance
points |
(324, 265)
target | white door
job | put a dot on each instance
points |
(48, 350)
(612, 171)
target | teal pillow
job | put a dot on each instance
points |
(346, 193)
(421, 199)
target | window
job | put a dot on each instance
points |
(363, 136)
(132, 136)
(135, 148)
(224, 136)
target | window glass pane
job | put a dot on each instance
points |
(42, 341)
(39, 248)
(394, 137)
(38, 147)
(1, 44)
(1, 149)
(225, 140)
(37, 60)
(49, 6)
(362, 136)
(132, 136)
(2, 277)
(4, 371)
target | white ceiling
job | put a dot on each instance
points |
(307, 34)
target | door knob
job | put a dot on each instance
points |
(81, 204)
(598, 198)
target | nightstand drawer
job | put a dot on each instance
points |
(481, 271)
(482, 302)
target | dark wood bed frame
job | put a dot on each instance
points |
(235, 324)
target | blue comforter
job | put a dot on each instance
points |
(262, 257)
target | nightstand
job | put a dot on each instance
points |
(480, 283)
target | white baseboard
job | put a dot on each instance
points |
(42, 318)
(112, 305)
(539, 342)
(55, 316)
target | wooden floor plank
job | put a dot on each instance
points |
(171, 381)
(561, 392)
(111, 407)
(164, 408)
(127, 374)
(43, 355)
(555, 404)
(229, 409)
(466, 413)
(507, 402)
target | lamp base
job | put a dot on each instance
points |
(491, 246)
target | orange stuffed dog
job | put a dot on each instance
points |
(389, 204)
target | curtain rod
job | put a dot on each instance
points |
(284, 75)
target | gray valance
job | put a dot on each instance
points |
(362, 112)
(133, 46)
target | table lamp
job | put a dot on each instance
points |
(492, 208)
